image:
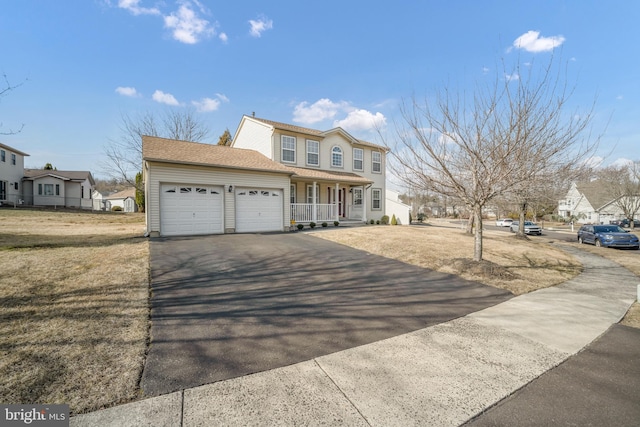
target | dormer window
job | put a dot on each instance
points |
(336, 157)
(288, 149)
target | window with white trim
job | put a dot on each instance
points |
(336, 157)
(358, 159)
(13, 159)
(310, 194)
(3, 155)
(48, 189)
(313, 153)
(288, 149)
(376, 162)
(292, 193)
(357, 196)
(376, 198)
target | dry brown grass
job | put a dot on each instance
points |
(74, 291)
(519, 266)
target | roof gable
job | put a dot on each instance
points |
(13, 150)
(595, 193)
(196, 153)
(314, 132)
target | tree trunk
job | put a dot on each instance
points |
(477, 249)
(523, 212)
(470, 224)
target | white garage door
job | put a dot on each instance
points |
(258, 210)
(191, 209)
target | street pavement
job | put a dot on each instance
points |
(483, 368)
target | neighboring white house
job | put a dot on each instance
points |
(335, 177)
(98, 200)
(125, 199)
(589, 202)
(394, 206)
(72, 189)
(11, 173)
(193, 188)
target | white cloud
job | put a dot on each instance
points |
(619, 97)
(127, 91)
(532, 42)
(134, 7)
(223, 37)
(209, 104)
(164, 98)
(362, 120)
(188, 27)
(260, 25)
(510, 77)
(206, 104)
(620, 162)
(318, 111)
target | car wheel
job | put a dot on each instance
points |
(580, 240)
(598, 243)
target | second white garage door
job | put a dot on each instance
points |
(191, 209)
(259, 210)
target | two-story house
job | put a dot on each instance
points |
(590, 202)
(11, 173)
(336, 177)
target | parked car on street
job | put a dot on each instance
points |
(529, 227)
(611, 236)
(504, 222)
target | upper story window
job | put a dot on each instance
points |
(13, 159)
(358, 159)
(336, 157)
(376, 162)
(313, 153)
(3, 155)
(288, 149)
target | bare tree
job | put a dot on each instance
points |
(4, 91)
(124, 155)
(502, 138)
(623, 185)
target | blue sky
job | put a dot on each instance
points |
(84, 63)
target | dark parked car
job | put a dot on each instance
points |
(529, 227)
(611, 236)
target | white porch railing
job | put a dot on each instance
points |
(304, 212)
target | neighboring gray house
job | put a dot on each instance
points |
(44, 187)
(125, 199)
(11, 173)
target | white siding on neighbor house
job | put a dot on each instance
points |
(395, 207)
(254, 135)
(157, 173)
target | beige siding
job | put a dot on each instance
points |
(184, 174)
(254, 136)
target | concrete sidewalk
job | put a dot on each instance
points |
(443, 375)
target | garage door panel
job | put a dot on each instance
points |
(191, 209)
(259, 210)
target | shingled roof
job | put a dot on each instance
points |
(65, 175)
(195, 153)
(314, 132)
(320, 175)
(595, 193)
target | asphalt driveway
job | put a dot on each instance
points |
(230, 305)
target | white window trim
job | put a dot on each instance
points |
(317, 153)
(282, 149)
(356, 198)
(361, 159)
(309, 194)
(341, 165)
(373, 199)
(293, 193)
(374, 162)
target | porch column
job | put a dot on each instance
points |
(364, 203)
(335, 201)
(314, 214)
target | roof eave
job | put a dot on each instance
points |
(175, 162)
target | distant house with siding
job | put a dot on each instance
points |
(125, 199)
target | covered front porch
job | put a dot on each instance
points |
(322, 196)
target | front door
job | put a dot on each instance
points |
(331, 191)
